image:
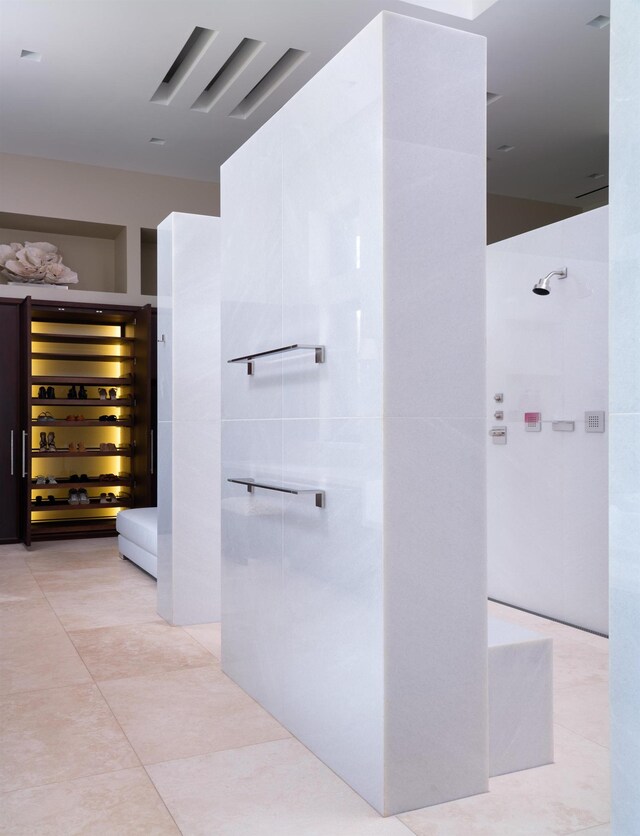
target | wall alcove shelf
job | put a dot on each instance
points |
(79, 345)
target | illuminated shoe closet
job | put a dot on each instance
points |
(87, 448)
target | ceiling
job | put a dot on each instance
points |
(85, 96)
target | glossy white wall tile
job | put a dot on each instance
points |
(624, 486)
(189, 425)
(362, 625)
(547, 491)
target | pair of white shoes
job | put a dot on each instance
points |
(46, 480)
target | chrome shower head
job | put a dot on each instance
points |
(541, 287)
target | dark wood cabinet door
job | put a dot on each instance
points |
(11, 426)
(143, 437)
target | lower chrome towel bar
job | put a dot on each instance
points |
(251, 485)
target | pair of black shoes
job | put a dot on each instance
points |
(48, 392)
(81, 393)
(75, 478)
(110, 418)
(51, 498)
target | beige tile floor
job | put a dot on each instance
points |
(113, 722)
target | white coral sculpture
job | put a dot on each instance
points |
(35, 262)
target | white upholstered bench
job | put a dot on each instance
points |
(138, 537)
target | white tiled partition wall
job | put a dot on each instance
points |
(189, 419)
(624, 486)
(354, 219)
(547, 491)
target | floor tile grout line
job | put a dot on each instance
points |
(68, 780)
(195, 638)
(162, 798)
(234, 749)
(584, 737)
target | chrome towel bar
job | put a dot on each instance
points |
(250, 358)
(251, 485)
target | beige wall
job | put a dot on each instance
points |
(56, 189)
(509, 216)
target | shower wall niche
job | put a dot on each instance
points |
(354, 220)
(547, 490)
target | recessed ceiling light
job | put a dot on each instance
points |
(492, 97)
(599, 22)
(595, 176)
(505, 148)
(155, 140)
(29, 55)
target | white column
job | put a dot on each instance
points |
(354, 219)
(189, 419)
(624, 480)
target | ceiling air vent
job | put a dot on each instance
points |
(235, 64)
(187, 58)
(269, 82)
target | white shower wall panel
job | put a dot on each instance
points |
(360, 626)
(189, 419)
(547, 491)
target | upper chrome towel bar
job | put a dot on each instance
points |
(250, 358)
(251, 484)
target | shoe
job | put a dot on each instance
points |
(43, 417)
(82, 392)
(51, 392)
(74, 477)
(52, 499)
(73, 497)
(82, 496)
(79, 417)
(112, 394)
(71, 394)
(103, 499)
(42, 392)
(84, 477)
(38, 500)
(111, 497)
(70, 418)
(43, 442)
(81, 447)
(51, 480)
(41, 480)
(112, 448)
(51, 441)
(103, 394)
(103, 418)
(112, 417)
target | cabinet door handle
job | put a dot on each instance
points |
(152, 456)
(24, 453)
(11, 453)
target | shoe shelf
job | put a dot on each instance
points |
(80, 339)
(84, 483)
(88, 422)
(65, 505)
(70, 380)
(63, 528)
(92, 358)
(127, 401)
(59, 454)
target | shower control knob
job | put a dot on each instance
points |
(499, 415)
(498, 397)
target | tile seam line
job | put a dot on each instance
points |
(230, 749)
(582, 736)
(68, 780)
